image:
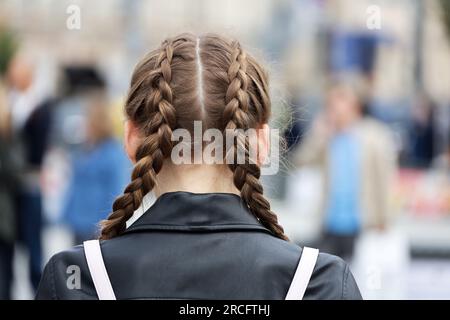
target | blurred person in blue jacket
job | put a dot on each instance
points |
(99, 173)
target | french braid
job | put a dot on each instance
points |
(246, 176)
(156, 146)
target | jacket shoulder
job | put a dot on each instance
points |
(66, 276)
(332, 280)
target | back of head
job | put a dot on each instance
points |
(209, 79)
(347, 96)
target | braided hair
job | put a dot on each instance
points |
(209, 79)
(236, 115)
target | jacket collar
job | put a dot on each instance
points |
(185, 211)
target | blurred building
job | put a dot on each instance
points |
(304, 43)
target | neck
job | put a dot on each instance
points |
(195, 178)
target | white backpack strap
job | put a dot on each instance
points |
(98, 270)
(302, 274)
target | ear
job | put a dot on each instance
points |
(263, 143)
(132, 140)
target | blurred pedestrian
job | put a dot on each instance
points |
(8, 188)
(31, 114)
(422, 132)
(100, 172)
(357, 157)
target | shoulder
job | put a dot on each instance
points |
(276, 250)
(44, 110)
(332, 279)
(375, 128)
(74, 255)
(66, 276)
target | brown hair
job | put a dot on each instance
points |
(207, 78)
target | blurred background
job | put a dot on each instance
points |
(361, 91)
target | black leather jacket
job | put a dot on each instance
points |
(197, 246)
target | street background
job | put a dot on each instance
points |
(75, 58)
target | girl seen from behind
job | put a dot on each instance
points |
(210, 233)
